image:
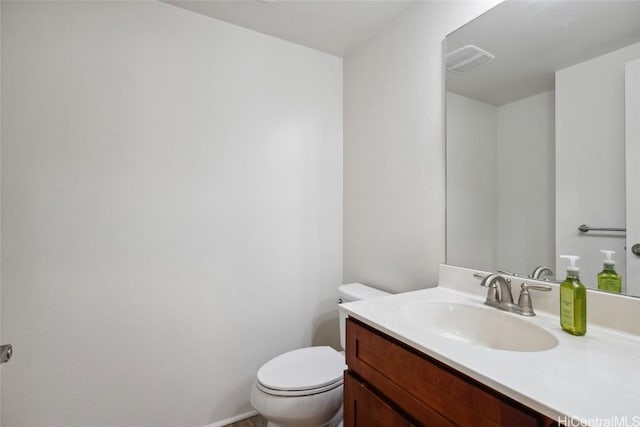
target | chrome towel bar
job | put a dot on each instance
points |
(585, 228)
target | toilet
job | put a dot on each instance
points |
(303, 387)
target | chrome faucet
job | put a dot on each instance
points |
(499, 294)
(540, 271)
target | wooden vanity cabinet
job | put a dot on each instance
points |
(390, 384)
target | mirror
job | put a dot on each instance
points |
(536, 137)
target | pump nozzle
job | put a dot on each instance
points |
(609, 255)
(572, 262)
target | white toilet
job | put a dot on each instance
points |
(303, 388)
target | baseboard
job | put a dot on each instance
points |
(232, 420)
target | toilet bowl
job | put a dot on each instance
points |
(301, 388)
(304, 387)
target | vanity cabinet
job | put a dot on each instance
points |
(390, 384)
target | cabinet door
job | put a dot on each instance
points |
(362, 408)
(431, 393)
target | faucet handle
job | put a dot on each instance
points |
(525, 286)
(484, 276)
(508, 273)
(525, 307)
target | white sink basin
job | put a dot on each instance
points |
(478, 325)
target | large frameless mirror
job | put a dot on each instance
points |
(541, 110)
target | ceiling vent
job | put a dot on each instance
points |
(467, 58)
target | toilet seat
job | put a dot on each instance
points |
(302, 372)
(298, 393)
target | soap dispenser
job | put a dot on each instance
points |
(608, 279)
(573, 300)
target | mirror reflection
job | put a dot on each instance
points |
(543, 102)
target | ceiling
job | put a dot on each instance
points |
(331, 26)
(531, 40)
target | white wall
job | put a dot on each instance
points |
(1, 340)
(590, 174)
(171, 211)
(632, 175)
(500, 159)
(394, 152)
(472, 190)
(526, 184)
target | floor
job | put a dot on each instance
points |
(256, 421)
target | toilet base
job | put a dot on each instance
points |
(318, 410)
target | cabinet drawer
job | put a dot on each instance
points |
(432, 393)
(363, 408)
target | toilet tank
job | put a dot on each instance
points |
(354, 292)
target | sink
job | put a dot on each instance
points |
(478, 325)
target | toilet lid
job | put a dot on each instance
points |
(303, 369)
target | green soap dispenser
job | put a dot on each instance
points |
(608, 279)
(573, 300)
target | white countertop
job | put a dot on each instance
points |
(594, 379)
